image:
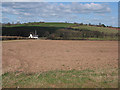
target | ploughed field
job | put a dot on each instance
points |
(60, 63)
(45, 55)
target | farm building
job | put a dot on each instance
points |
(33, 36)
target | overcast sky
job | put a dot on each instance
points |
(81, 12)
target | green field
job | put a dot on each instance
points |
(62, 79)
(48, 24)
(93, 28)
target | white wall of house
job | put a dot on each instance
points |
(31, 36)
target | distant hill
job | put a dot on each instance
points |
(54, 30)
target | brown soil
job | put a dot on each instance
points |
(45, 55)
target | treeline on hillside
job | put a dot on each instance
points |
(80, 34)
(56, 33)
(38, 23)
(18, 23)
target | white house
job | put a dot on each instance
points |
(33, 36)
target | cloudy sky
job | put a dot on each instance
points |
(81, 12)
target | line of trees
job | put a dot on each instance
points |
(99, 25)
(80, 34)
(19, 23)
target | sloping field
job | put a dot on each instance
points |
(45, 55)
(101, 29)
(72, 25)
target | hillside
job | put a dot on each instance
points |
(47, 24)
(100, 29)
(66, 31)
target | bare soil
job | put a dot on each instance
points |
(46, 55)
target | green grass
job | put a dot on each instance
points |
(105, 39)
(62, 79)
(48, 24)
(93, 28)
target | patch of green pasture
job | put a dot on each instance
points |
(104, 39)
(94, 28)
(49, 24)
(62, 79)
